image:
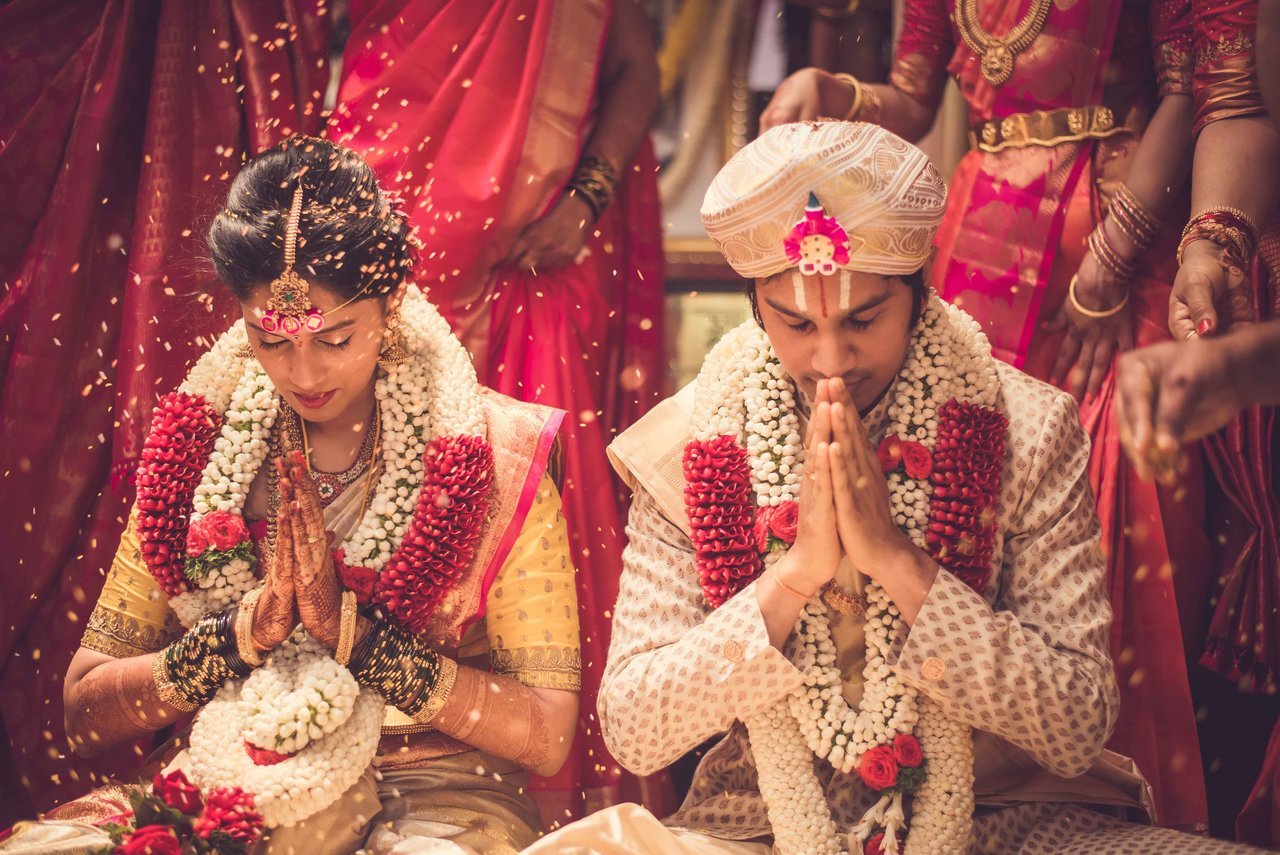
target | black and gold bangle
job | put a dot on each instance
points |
(594, 181)
(189, 672)
(393, 663)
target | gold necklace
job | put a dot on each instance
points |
(330, 485)
(997, 52)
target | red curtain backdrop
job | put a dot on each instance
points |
(121, 124)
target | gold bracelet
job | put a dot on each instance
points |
(852, 112)
(833, 596)
(439, 692)
(1093, 313)
(165, 688)
(346, 628)
(777, 578)
(244, 627)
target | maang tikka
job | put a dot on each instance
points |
(289, 310)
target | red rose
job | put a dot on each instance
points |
(225, 530)
(783, 522)
(916, 459)
(889, 453)
(229, 810)
(761, 530)
(906, 750)
(197, 542)
(151, 840)
(362, 580)
(878, 768)
(177, 792)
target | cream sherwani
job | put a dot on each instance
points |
(1026, 666)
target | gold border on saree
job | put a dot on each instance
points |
(1046, 128)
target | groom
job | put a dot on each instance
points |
(862, 552)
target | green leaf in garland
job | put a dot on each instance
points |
(199, 566)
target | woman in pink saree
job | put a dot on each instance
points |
(516, 131)
(1080, 119)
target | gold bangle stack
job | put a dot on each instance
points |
(1133, 219)
(866, 101)
(1108, 257)
(843, 603)
(346, 628)
(1229, 228)
(439, 691)
(244, 627)
(1093, 313)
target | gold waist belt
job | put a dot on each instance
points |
(1046, 128)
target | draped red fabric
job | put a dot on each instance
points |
(477, 114)
(121, 123)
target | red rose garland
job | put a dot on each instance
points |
(442, 537)
(721, 506)
(183, 430)
(436, 550)
(968, 461)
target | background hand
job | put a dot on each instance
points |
(1090, 343)
(806, 95)
(1208, 297)
(1171, 394)
(556, 239)
(316, 584)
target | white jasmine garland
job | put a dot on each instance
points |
(742, 391)
(300, 700)
(333, 756)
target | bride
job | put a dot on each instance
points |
(346, 558)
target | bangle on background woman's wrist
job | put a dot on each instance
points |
(594, 182)
(1229, 228)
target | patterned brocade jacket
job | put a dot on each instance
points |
(1026, 664)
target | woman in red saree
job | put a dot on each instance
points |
(1070, 102)
(500, 122)
(1221, 286)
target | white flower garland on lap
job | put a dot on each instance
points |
(899, 741)
(322, 728)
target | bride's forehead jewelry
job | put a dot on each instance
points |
(289, 309)
(818, 244)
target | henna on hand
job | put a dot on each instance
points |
(316, 585)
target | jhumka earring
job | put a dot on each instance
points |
(395, 351)
(289, 311)
(244, 351)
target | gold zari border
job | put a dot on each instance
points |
(541, 667)
(1046, 128)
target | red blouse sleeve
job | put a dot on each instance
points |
(924, 49)
(1225, 84)
(1171, 46)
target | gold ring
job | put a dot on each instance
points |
(312, 539)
